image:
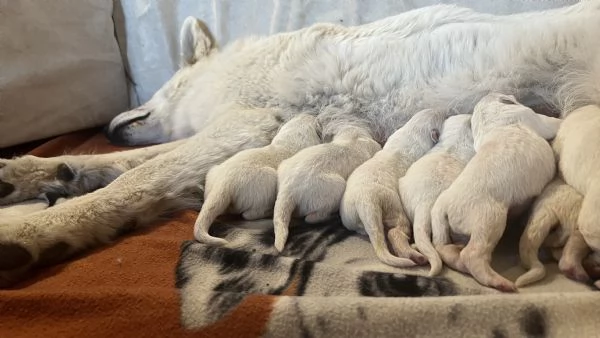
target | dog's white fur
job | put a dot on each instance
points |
(557, 206)
(231, 99)
(429, 176)
(312, 182)
(371, 202)
(513, 163)
(246, 183)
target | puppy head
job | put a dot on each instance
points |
(496, 110)
(422, 130)
(151, 122)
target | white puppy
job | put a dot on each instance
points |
(513, 163)
(312, 182)
(576, 147)
(247, 182)
(433, 173)
(371, 200)
(557, 206)
(578, 151)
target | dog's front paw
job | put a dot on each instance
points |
(25, 243)
(30, 177)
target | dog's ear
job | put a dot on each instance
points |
(195, 41)
(543, 125)
(435, 135)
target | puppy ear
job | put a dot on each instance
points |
(435, 135)
(543, 125)
(195, 41)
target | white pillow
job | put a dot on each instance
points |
(60, 68)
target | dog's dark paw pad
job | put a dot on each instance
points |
(13, 256)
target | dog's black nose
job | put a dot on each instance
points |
(6, 189)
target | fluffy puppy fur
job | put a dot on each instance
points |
(313, 181)
(578, 153)
(246, 183)
(428, 177)
(513, 163)
(557, 206)
(371, 202)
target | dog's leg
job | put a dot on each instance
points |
(399, 233)
(30, 177)
(161, 183)
(487, 227)
(450, 255)
(570, 263)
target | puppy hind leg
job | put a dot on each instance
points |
(371, 217)
(395, 218)
(477, 254)
(336, 185)
(570, 263)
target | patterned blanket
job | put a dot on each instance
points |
(328, 282)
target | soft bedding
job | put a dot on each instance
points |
(156, 282)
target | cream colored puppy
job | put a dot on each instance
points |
(247, 182)
(557, 206)
(371, 201)
(428, 177)
(513, 163)
(312, 182)
(577, 146)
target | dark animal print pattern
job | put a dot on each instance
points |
(327, 282)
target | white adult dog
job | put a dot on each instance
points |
(371, 202)
(429, 176)
(228, 100)
(246, 183)
(311, 183)
(513, 163)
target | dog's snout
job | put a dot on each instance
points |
(6, 189)
(116, 134)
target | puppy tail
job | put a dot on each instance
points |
(215, 204)
(538, 227)
(282, 215)
(440, 227)
(371, 217)
(422, 233)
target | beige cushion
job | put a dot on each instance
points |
(60, 68)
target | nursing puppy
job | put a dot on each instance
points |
(428, 177)
(513, 163)
(557, 206)
(576, 147)
(371, 202)
(247, 182)
(312, 182)
(578, 152)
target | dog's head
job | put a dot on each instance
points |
(423, 130)
(497, 110)
(457, 130)
(151, 122)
